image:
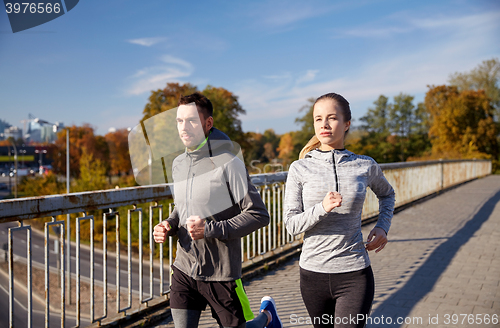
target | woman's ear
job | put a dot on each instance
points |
(347, 125)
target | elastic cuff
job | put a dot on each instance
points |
(321, 209)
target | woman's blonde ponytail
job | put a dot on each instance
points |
(312, 144)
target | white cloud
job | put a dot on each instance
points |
(280, 14)
(152, 78)
(308, 77)
(405, 23)
(147, 42)
(446, 45)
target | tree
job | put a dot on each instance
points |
(119, 157)
(462, 123)
(226, 108)
(486, 76)
(92, 173)
(286, 147)
(306, 124)
(226, 112)
(263, 147)
(393, 131)
(376, 118)
(80, 137)
(41, 186)
(162, 100)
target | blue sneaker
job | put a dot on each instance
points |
(267, 303)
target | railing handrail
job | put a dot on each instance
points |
(401, 165)
(52, 205)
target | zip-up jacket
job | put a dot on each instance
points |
(333, 242)
(212, 182)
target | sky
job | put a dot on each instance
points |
(99, 62)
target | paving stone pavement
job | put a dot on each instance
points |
(441, 267)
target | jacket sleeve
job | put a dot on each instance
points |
(385, 194)
(173, 220)
(296, 219)
(253, 213)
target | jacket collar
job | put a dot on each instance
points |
(327, 155)
(216, 142)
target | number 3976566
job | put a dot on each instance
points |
(32, 8)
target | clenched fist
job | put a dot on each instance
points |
(196, 227)
(332, 199)
(160, 231)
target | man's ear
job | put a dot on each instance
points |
(210, 123)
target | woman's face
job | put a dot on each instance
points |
(329, 124)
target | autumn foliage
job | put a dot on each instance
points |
(462, 123)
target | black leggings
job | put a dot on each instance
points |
(338, 299)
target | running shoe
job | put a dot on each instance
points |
(267, 303)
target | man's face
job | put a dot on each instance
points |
(191, 125)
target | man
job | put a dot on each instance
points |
(215, 205)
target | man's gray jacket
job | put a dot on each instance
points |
(212, 182)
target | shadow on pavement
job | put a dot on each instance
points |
(437, 263)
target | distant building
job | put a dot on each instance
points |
(47, 134)
(3, 125)
(13, 132)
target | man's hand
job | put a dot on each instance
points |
(379, 242)
(332, 199)
(160, 231)
(196, 227)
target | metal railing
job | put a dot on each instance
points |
(411, 181)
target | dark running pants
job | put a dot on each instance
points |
(338, 299)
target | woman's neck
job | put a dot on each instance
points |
(326, 147)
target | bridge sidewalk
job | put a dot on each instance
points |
(441, 267)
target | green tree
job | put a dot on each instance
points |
(41, 186)
(306, 124)
(92, 173)
(376, 118)
(393, 131)
(486, 76)
(226, 112)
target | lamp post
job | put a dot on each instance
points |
(15, 168)
(68, 229)
(41, 151)
(22, 151)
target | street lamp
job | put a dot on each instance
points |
(22, 151)
(41, 151)
(15, 169)
(68, 229)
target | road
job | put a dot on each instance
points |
(38, 260)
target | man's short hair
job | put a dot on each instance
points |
(203, 104)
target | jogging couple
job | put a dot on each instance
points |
(216, 205)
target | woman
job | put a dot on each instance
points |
(324, 196)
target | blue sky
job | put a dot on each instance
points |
(99, 62)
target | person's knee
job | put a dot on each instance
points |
(184, 318)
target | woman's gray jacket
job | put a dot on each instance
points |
(333, 242)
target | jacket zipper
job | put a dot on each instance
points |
(335, 172)
(187, 185)
(189, 192)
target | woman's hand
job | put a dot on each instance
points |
(332, 199)
(378, 242)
